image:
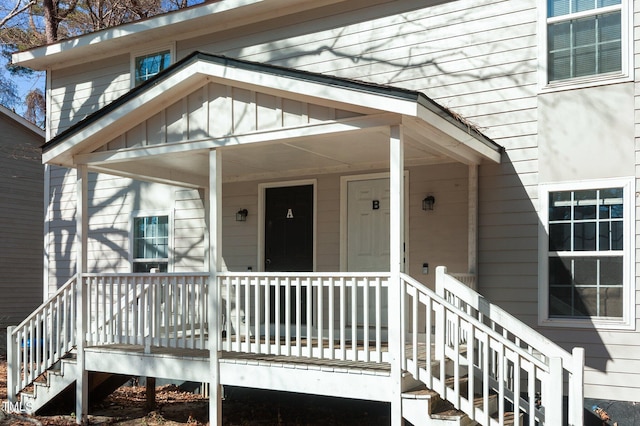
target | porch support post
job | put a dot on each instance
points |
(473, 220)
(215, 265)
(396, 174)
(82, 227)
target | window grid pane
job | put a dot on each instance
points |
(149, 65)
(581, 283)
(150, 243)
(585, 46)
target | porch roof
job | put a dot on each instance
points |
(366, 111)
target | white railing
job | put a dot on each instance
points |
(484, 357)
(165, 310)
(473, 353)
(322, 315)
(42, 339)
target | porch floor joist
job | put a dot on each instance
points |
(367, 380)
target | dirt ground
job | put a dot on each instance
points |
(125, 407)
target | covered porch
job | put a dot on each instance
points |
(297, 293)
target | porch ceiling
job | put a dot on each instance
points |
(362, 150)
(316, 124)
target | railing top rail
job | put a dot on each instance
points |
(145, 274)
(501, 317)
(496, 336)
(307, 274)
(33, 314)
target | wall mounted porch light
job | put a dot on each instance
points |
(241, 215)
(428, 202)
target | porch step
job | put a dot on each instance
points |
(54, 391)
(424, 407)
(52, 383)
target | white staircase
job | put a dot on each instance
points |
(53, 382)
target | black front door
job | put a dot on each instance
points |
(289, 229)
(289, 238)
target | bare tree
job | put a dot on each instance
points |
(26, 24)
(18, 8)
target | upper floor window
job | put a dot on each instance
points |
(148, 65)
(150, 243)
(588, 253)
(586, 40)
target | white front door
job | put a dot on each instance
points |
(368, 209)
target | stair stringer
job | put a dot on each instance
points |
(57, 381)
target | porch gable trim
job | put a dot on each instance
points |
(198, 69)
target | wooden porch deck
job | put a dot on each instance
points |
(159, 325)
(366, 380)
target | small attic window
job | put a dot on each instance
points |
(149, 64)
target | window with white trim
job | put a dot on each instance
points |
(588, 252)
(150, 243)
(586, 40)
(149, 64)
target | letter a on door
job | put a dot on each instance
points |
(289, 214)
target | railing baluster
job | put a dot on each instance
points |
(354, 318)
(414, 334)
(266, 283)
(245, 321)
(229, 291)
(298, 308)
(287, 315)
(332, 317)
(429, 341)
(256, 316)
(516, 390)
(343, 320)
(471, 349)
(102, 290)
(278, 320)
(365, 319)
(378, 319)
(320, 324)
(118, 318)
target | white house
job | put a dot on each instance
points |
(258, 193)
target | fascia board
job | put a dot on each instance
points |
(121, 31)
(176, 25)
(488, 149)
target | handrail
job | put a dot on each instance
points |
(449, 287)
(42, 339)
(61, 290)
(500, 354)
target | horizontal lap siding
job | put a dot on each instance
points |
(240, 239)
(477, 57)
(81, 90)
(112, 201)
(21, 201)
(189, 229)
